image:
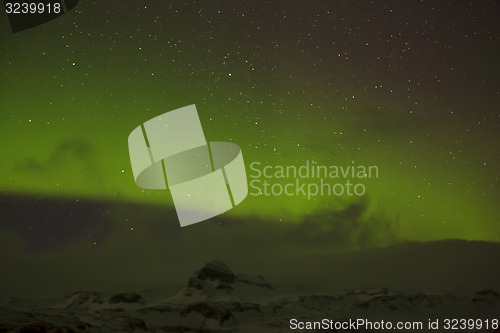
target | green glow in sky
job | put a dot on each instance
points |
(72, 91)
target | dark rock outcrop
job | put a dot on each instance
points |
(215, 271)
(216, 275)
(126, 298)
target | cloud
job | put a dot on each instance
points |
(351, 227)
(142, 246)
(72, 156)
(49, 224)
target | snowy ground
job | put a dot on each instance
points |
(217, 300)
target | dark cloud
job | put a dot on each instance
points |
(31, 165)
(73, 155)
(49, 224)
(347, 228)
(157, 253)
(72, 149)
(142, 245)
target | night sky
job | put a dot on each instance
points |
(411, 87)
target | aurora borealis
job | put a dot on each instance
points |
(409, 87)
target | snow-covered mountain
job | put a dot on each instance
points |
(217, 300)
